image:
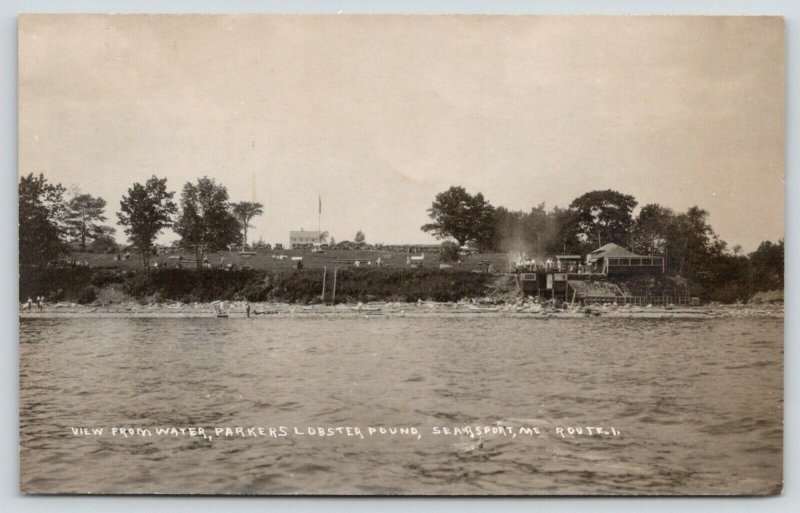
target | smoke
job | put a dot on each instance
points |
(532, 235)
(521, 248)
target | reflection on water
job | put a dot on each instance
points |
(699, 404)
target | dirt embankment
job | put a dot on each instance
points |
(768, 297)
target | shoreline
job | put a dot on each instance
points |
(395, 309)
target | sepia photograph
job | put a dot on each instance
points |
(275, 254)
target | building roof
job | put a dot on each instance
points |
(610, 250)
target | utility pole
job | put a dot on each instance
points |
(333, 298)
(749, 282)
(324, 274)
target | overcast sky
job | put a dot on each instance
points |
(378, 114)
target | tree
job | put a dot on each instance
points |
(332, 242)
(542, 230)
(144, 212)
(509, 231)
(84, 212)
(692, 247)
(565, 238)
(737, 248)
(244, 212)
(652, 228)
(359, 238)
(261, 244)
(103, 240)
(41, 221)
(449, 251)
(768, 266)
(205, 222)
(603, 217)
(462, 216)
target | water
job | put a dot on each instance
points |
(698, 404)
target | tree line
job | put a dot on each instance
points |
(694, 253)
(205, 219)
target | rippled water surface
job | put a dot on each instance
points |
(698, 404)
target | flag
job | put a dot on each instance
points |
(320, 204)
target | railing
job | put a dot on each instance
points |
(639, 300)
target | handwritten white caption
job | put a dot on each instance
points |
(412, 432)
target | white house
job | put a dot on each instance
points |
(301, 237)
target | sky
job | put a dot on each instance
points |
(377, 114)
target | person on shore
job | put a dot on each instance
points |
(247, 309)
(39, 300)
(29, 304)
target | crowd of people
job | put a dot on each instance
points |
(39, 303)
(525, 264)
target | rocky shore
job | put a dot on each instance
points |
(377, 309)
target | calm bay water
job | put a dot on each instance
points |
(698, 404)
